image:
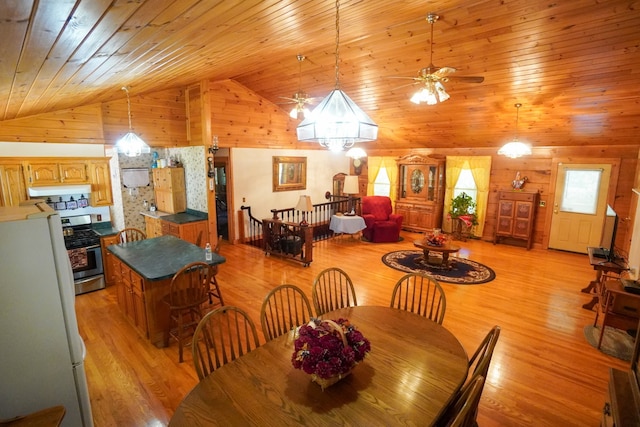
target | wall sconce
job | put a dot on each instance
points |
(214, 145)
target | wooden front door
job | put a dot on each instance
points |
(579, 207)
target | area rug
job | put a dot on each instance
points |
(616, 342)
(463, 271)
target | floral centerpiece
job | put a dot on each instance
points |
(328, 350)
(436, 239)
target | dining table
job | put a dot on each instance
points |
(412, 372)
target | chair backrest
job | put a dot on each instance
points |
(420, 294)
(378, 206)
(284, 308)
(131, 235)
(190, 285)
(482, 357)
(332, 289)
(223, 335)
(465, 408)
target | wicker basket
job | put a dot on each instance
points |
(327, 382)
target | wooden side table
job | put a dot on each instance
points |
(600, 265)
(620, 309)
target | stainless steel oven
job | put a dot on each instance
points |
(85, 254)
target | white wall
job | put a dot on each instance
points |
(252, 178)
(35, 149)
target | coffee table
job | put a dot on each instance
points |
(445, 250)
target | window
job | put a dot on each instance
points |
(466, 184)
(382, 185)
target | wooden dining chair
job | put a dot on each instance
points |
(479, 362)
(214, 288)
(189, 289)
(284, 308)
(223, 335)
(332, 289)
(131, 235)
(465, 407)
(478, 367)
(420, 294)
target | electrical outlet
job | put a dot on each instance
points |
(542, 203)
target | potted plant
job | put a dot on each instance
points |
(462, 210)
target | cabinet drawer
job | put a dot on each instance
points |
(516, 195)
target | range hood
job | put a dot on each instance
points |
(60, 190)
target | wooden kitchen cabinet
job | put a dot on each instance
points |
(108, 259)
(153, 226)
(43, 173)
(100, 178)
(12, 188)
(420, 192)
(170, 190)
(74, 172)
(188, 231)
(516, 215)
(131, 299)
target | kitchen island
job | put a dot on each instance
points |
(143, 271)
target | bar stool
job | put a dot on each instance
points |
(189, 289)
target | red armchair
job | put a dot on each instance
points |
(382, 224)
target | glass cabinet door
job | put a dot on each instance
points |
(431, 188)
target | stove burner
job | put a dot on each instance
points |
(81, 238)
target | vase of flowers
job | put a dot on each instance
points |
(328, 350)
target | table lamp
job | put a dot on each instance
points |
(304, 205)
(351, 188)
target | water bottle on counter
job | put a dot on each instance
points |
(207, 252)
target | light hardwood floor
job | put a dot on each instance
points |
(543, 371)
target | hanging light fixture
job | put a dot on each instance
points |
(131, 144)
(337, 122)
(515, 148)
(356, 153)
(300, 98)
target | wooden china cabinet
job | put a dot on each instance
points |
(420, 192)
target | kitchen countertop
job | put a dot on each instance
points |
(184, 218)
(104, 229)
(154, 214)
(160, 257)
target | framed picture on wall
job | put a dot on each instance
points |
(289, 173)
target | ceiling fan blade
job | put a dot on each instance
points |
(467, 79)
(405, 85)
(444, 72)
(405, 78)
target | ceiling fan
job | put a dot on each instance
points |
(300, 98)
(432, 77)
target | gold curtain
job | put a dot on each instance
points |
(480, 167)
(454, 166)
(373, 166)
(481, 171)
(391, 166)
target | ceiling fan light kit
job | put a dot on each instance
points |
(131, 144)
(300, 98)
(515, 148)
(337, 122)
(431, 78)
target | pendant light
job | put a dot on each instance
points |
(515, 148)
(337, 122)
(131, 144)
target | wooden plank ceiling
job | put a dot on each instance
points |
(573, 64)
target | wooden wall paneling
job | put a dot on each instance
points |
(159, 118)
(245, 119)
(194, 115)
(73, 125)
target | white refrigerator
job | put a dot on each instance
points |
(41, 351)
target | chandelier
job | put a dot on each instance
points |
(131, 144)
(515, 148)
(337, 122)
